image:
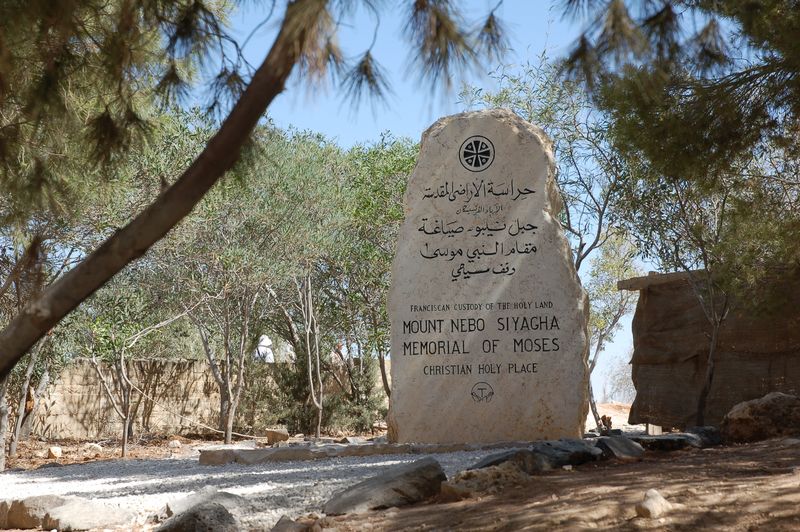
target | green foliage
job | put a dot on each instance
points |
(708, 107)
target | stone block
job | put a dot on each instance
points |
(488, 317)
(399, 486)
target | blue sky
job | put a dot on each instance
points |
(533, 26)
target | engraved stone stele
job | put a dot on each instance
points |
(488, 317)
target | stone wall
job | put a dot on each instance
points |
(758, 353)
(76, 406)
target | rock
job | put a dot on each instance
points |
(774, 415)
(380, 439)
(709, 436)
(653, 505)
(276, 435)
(207, 516)
(487, 480)
(566, 452)
(31, 512)
(93, 447)
(4, 505)
(84, 514)
(620, 448)
(174, 444)
(401, 485)
(54, 452)
(287, 524)
(352, 440)
(484, 183)
(209, 494)
(668, 442)
(524, 459)
(53, 512)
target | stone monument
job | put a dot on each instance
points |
(488, 317)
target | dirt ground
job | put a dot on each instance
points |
(743, 487)
(32, 453)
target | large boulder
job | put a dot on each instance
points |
(83, 514)
(32, 511)
(62, 513)
(405, 484)
(774, 415)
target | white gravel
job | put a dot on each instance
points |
(275, 489)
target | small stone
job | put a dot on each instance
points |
(174, 444)
(352, 440)
(566, 467)
(709, 436)
(287, 524)
(206, 495)
(653, 506)
(276, 435)
(668, 442)
(204, 516)
(93, 447)
(54, 452)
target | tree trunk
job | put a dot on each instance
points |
(384, 377)
(224, 415)
(229, 418)
(598, 348)
(702, 399)
(129, 243)
(41, 388)
(3, 422)
(593, 406)
(126, 429)
(23, 400)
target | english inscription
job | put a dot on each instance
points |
(488, 317)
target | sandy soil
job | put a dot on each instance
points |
(745, 487)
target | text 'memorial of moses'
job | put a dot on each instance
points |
(488, 317)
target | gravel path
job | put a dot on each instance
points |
(275, 489)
